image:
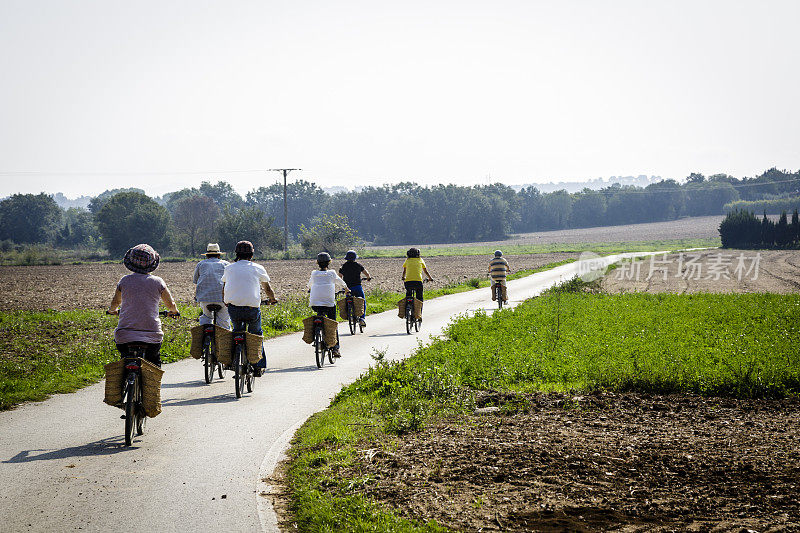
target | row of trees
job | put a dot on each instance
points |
(742, 229)
(183, 221)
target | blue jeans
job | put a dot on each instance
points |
(358, 290)
(248, 319)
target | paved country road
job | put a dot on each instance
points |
(63, 465)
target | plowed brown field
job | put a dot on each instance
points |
(721, 271)
(64, 287)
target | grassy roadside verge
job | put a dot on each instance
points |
(740, 345)
(49, 352)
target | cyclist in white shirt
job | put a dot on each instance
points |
(323, 284)
(241, 292)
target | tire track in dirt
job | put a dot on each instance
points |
(781, 260)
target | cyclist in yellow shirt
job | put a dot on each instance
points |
(413, 267)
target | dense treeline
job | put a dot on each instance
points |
(773, 207)
(742, 229)
(183, 221)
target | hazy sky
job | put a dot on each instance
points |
(93, 93)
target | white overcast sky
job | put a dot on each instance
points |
(161, 95)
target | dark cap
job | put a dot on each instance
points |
(244, 247)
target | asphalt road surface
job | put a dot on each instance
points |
(199, 465)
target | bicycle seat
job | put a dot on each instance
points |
(214, 307)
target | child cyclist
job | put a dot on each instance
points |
(351, 274)
(323, 283)
(413, 267)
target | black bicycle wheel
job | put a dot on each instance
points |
(319, 347)
(331, 358)
(417, 324)
(208, 360)
(130, 412)
(249, 378)
(220, 370)
(499, 293)
(361, 326)
(238, 370)
(409, 319)
(352, 320)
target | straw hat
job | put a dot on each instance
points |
(212, 249)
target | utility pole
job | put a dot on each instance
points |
(285, 208)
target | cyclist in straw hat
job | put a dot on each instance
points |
(136, 302)
(208, 285)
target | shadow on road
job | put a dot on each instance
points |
(101, 447)
(194, 383)
(219, 398)
(307, 368)
(401, 334)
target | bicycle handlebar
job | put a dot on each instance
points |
(160, 313)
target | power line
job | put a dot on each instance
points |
(159, 173)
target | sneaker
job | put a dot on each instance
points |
(257, 372)
(335, 352)
(362, 322)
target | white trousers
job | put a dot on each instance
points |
(223, 319)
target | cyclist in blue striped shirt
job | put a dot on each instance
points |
(208, 285)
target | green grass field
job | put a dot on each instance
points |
(518, 249)
(711, 344)
(46, 255)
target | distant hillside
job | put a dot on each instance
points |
(595, 184)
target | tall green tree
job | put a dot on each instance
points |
(222, 193)
(783, 236)
(767, 232)
(29, 218)
(304, 200)
(328, 233)
(588, 209)
(131, 218)
(97, 202)
(248, 224)
(78, 229)
(194, 220)
(708, 198)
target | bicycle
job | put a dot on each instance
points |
(133, 389)
(210, 362)
(321, 348)
(350, 308)
(498, 292)
(411, 323)
(243, 371)
(133, 392)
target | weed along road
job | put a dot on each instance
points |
(199, 465)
